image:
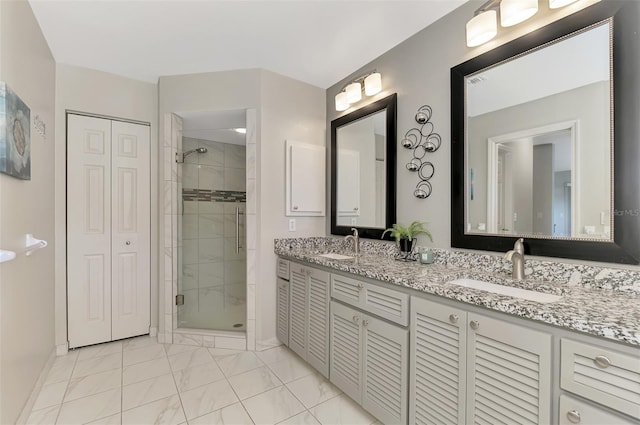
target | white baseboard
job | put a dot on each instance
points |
(153, 332)
(62, 349)
(28, 406)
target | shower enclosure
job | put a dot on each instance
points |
(211, 230)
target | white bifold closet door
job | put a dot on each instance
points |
(108, 230)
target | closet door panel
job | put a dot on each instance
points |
(88, 230)
(131, 188)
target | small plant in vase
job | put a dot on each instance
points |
(405, 237)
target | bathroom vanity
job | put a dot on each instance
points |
(411, 346)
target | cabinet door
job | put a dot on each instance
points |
(346, 350)
(385, 370)
(298, 309)
(305, 179)
(318, 321)
(438, 363)
(508, 373)
(282, 314)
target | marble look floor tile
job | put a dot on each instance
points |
(109, 420)
(273, 406)
(238, 363)
(254, 382)
(97, 365)
(167, 411)
(50, 395)
(139, 342)
(223, 352)
(190, 378)
(143, 354)
(341, 410)
(189, 359)
(304, 418)
(173, 349)
(143, 371)
(45, 416)
(313, 389)
(291, 369)
(60, 372)
(208, 398)
(275, 354)
(90, 408)
(230, 415)
(93, 384)
(99, 350)
(147, 391)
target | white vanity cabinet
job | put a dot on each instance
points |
(309, 315)
(282, 301)
(369, 362)
(602, 375)
(469, 368)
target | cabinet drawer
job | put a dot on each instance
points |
(383, 302)
(387, 303)
(602, 375)
(282, 269)
(347, 290)
(574, 411)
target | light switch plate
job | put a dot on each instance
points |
(292, 224)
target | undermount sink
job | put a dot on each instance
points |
(334, 256)
(510, 291)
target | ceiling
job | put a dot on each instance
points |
(318, 42)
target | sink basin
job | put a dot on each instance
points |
(333, 256)
(525, 294)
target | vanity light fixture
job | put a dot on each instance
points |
(352, 92)
(513, 12)
(483, 26)
(555, 4)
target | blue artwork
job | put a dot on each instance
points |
(15, 135)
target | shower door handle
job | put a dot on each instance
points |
(238, 213)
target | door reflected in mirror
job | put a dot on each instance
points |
(539, 145)
(362, 172)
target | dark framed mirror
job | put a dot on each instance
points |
(546, 140)
(363, 169)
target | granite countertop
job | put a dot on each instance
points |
(607, 313)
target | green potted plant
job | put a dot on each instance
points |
(405, 235)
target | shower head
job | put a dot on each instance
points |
(181, 156)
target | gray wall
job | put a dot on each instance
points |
(26, 284)
(418, 70)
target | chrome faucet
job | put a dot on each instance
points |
(516, 255)
(356, 240)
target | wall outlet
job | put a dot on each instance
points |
(292, 224)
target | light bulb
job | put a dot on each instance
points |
(513, 12)
(354, 92)
(341, 102)
(482, 28)
(373, 84)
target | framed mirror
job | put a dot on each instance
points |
(545, 143)
(363, 169)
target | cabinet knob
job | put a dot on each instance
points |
(360, 286)
(295, 207)
(356, 319)
(602, 362)
(474, 324)
(573, 416)
(365, 323)
(355, 209)
(127, 243)
(453, 318)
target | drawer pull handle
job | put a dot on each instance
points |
(573, 416)
(453, 318)
(474, 324)
(356, 319)
(602, 362)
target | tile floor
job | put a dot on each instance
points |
(139, 381)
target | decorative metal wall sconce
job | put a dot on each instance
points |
(422, 140)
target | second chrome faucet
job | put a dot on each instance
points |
(516, 255)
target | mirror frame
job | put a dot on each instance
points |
(389, 104)
(625, 247)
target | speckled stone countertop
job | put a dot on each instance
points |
(602, 302)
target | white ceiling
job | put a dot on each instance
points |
(318, 42)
